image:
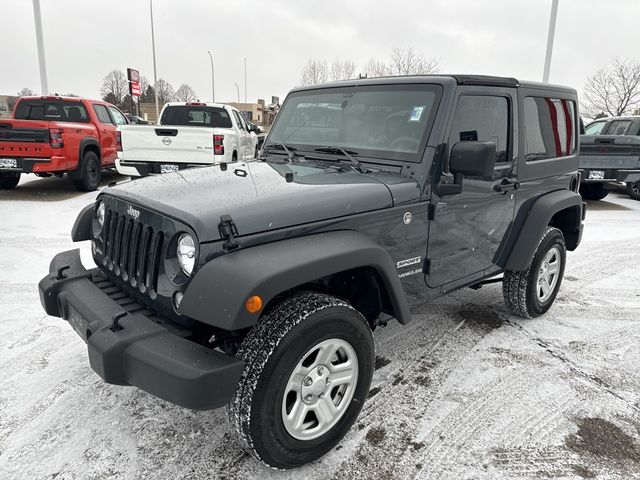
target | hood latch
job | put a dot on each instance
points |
(228, 232)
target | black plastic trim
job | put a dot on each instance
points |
(132, 349)
(525, 232)
(81, 230)
(217, 293)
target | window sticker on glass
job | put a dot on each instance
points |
(416, 113)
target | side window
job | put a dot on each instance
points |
(239, 121)
(483, 119)
(118, 117)
(102, 114)
(617, 127)
(594, 128)
(549, 128)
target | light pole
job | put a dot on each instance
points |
(40, 43)
(238, 92)
(550, 36)
(245, 79)
(155, 74)
(213, 90)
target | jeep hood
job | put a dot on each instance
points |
(263, 196)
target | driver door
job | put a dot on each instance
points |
(467, 228)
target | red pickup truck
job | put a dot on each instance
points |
(54, 135)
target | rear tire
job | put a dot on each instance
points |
(532, 292)
(309, 352)
(633, 188)
(9, 180)
(90, 173)
(593, 191)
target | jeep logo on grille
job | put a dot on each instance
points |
(133, 212)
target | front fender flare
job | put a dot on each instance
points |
(218, 292)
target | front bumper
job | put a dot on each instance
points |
(141, 349)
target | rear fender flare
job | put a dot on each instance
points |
(534, 216)
(218, 292)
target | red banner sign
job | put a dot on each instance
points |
(134, 89)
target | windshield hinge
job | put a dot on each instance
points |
(228, 232)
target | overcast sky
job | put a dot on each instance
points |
(85, 39)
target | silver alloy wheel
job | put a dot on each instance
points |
(320, 389)
(548, 274)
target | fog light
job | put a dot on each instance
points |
(177, 299)
(253, 304)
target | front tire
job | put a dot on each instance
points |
(308, 368)
(531, 293)
(633, 188)
(9, 180)
(593, 191)
(90, 173)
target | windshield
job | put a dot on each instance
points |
(384, 121)
(195, 116)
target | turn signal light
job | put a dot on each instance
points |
(55, 137)
(118, 140)
(218, 145)
(253, 304)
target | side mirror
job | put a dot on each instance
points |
(473, 159)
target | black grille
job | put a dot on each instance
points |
(132, 251)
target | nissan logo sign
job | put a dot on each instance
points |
(166, 141)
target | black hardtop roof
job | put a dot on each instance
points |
(460, 79)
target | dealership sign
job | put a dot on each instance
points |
(134, 82)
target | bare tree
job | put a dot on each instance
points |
(26, 92)
(614, 90)
(114, 87)
(315, 71)
(404, 61)
(70, 95)
(185, 93)
(166, 93)
(376, 68)
(342, 70)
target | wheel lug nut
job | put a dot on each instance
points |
(308, 398)
(320, 370)
(308, 381)
(321, 396)
(328, 379)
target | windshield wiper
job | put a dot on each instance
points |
(348, 154)
(288, 150)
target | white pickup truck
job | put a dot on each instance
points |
(188, 133)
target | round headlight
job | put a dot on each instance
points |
(186, 253)
(97, 223)
(100, 214)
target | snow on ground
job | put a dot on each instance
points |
(464, 391)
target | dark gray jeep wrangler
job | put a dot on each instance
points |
(258, 285)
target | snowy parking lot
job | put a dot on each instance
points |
(464, 391)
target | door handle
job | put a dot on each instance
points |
(505, 185)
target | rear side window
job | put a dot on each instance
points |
(617, 127)
(239, 121)
(594, 128)
(51, 110)
(482, 119)
(118, 117)
(194, 116)
(102, 114)
(549, 128)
